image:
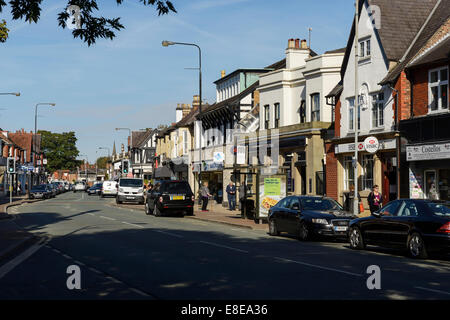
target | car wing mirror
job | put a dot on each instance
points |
(376, 214)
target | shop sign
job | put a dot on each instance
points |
(428, 152)
(240, 156)
(371, 144)
(350, 147)
(218, 157)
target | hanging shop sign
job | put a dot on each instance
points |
(371, 144)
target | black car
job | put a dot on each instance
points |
(95, 189)
(307, 216)
(420, 226)
(170, 197)
(40, 192)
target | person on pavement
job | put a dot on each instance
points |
(205, 194)
(374, 199)
(231, 192)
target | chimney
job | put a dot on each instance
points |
(222, 73)
(196, 101)
(296, 53)
(186, 109)
(304, 44)
(179, 112)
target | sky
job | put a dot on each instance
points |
(134, 82)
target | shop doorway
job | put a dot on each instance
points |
(389, 190)
(431, 187)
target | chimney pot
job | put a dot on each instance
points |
(222, 73)
(291, 43)
(297, 43)
(304, 45)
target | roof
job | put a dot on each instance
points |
(230, 101)
(190, 117)
(336, 90)
(400, 21)
(340, 50)
(436, 19)
(235, 72)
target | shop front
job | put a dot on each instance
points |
(429, 170)
(211, 172)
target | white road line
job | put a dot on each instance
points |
(132, 224)
(139, 292)
(113, 280)
(67, 256)
(19, 259)
(91, 214)
(433, 290)
(95, 270)
(319, 267)
(222, 246)
(107, 218)
(169, 233)
(79, 263)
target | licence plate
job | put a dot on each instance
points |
(130, 197)
(177, 198)
(340, 229)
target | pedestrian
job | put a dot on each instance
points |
(231, 192)
(374, 199)
(19, 188)
(205, 196)
(242, 197)
(349, 200)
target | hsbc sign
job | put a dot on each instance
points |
(371, 144)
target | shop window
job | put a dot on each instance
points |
(319, 183)
(277, 115)
(367, 167)
(438, 90)
(349, 174)
(266, 117)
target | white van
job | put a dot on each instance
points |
(130, 189)
(109, 188)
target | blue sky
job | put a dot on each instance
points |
(133, 81)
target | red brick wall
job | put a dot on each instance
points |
(403, 86)
(337, 117)
(419, 82)
(331, 172)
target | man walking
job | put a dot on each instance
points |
(204, 191)
(231, 192)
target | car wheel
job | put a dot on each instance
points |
(303, 231)
(157, 212)
(273, 230)
(190, 212)
(416, 247)
(356, 239)
(147, 209)
(118, 201)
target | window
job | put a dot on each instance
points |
(185, 143)
(277, 115)
(390, 209)
(315, 107)
(351, 115)
(266, 116)
(367, 167)
(349, 173)
(438, 89)
(378, 110)
(302, 111)
(408, 209)
(364, 49)
(320, 190)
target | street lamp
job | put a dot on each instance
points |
(35, 125)
(17, 94)
(166, 43)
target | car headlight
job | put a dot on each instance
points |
(120, 190)
(320, 221)
(140, 190)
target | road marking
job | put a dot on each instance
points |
(79, 263)
(95, 270)
(20, 258)
(107, 218)
(67, 256)
(169, 233)
(139, 292)
(433, 290)
(91, 214)
(222, 246)
(319, 267)
(132, 224)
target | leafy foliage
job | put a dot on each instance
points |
(101, 162)
(60, 150)
(3, 31)
(91, 27)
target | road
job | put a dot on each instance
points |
(124, 254)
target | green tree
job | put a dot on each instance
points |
(3, 31)
(91, 27)
(101, 162)
(60, 150)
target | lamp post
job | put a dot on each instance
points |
(166, 43)
(355, 114)
(17, 94)
(35, 125)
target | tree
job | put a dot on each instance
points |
(3, 31)
(60, 150)
(101, 162)
(89, 27)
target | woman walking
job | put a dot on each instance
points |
(205, 195)
(374, 199)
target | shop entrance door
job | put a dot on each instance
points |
(431, 187)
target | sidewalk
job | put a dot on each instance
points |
(219, 214)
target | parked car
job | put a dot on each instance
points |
(307, 216)
(57, 187)
(130, 190)
(79, 186)
(95, 189)
(109, 188)
(170, 197)
(40, 192)
(52, 189)
(420, 226)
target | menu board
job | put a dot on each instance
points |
(271, 190)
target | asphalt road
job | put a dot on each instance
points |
(124, 254)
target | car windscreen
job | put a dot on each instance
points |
(439, 209)
(131, 183)
(175, 188)
(38, 188)
(319, 204)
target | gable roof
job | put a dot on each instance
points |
(400, 22)
(437, 17)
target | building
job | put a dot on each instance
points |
(380, 49)
(143, 151)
